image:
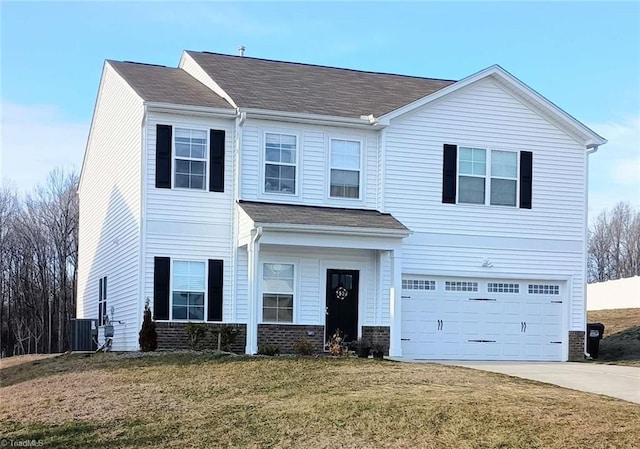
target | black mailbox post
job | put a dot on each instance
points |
(595, 331)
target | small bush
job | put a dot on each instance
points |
(269, 350)
(148, 336)
(228, 335)
(336, 345)
(196, 333)
(304, 346)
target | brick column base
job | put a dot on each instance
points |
(378, 334)
(576, 346)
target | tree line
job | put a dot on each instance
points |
(38, 260)
(614, 244)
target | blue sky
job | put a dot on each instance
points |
(583, 56)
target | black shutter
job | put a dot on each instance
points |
(526, 179)
(216, 156)
(163, 156)
(449, 173)
(100, 302)
(215, 290)
(161, 275)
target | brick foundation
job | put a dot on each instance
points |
(378, 334)
(576, 346)
(285, 335)
(173, 336)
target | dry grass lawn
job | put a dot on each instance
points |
(20, 359)
(621, 343)
(186, 400)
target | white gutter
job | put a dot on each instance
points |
(335, 230)
(591, 149)
(365, 121)
(182, 109)
(143, 216)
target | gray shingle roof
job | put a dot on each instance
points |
(304, 88)
(319, 216)
(167, 85)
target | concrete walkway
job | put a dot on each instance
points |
(622, 382)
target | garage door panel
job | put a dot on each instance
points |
(497, 321)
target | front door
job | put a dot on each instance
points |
(342, 303)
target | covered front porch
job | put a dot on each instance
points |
(312, 270)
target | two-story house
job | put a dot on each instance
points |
(444, 218)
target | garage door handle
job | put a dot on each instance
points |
(440, 325)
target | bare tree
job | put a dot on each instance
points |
(614, 244)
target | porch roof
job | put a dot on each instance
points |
(319, 216)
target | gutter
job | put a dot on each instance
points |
(591, 149)
(182, 109)
(334, 230)
(365, 121)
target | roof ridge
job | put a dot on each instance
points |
(322, 66)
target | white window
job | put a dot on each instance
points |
(504, 178)
(190, 158)
(102, 301)
(472, 169)
(280, 167)
(418, 284)
(277, 292)
(498, 287)
(544, 289)
(345, 169)
(460, 286)
(473, 187)
(188, 290)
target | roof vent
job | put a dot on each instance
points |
(241, 50)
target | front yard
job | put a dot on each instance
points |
(191, 400)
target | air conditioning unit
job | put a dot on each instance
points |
(84, 335)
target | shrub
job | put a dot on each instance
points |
(269, 350)
(335, 345)
(196, 333)
(228, 335)
(148, 336)
(304, 346)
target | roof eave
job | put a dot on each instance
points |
(576, 128)
(334, 230)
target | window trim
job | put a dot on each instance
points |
(296, 293)
(488, 176)
(207, 151)
(297, 165)
(347, 138)
(206, 290)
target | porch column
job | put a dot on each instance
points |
(253, 249)
(395, 304)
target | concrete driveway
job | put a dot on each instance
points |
(622, 382)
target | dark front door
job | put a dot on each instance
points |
(342, 303)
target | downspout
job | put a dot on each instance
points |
(252, 325)
(590, 151)
(142, 241)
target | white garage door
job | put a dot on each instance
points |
(481, 319)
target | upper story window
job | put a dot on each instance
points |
(280, 166)
(277, 292)
(487, 176)
(190, 158)
(188, 290)
(345, 169)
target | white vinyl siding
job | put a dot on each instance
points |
(189, 224)
(547, 240)
(110, 210)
